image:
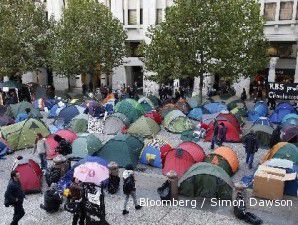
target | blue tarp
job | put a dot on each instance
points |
(69, 112)
(279, 113)
(151, 156)
(55, 111)
(196, 114)
(215, 107)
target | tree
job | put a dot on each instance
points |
(23, 37)
(88, 39)
(206, 37)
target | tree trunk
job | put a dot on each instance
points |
(201, 87)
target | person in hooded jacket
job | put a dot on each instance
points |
(251, 145)
(275, 137)
(222, 133)
(129, 188)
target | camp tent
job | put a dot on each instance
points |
(79, 124)
(115, 123)
(183, 106)
(55, 110)
(144, 127)
(176, 122)
(85, 144)
(263, 121)
(232, 132)
(23, 134)
(229, 155)
(30, 176)
(130, 108)
(69, 112)
(123, 149)
(282, 110)
(194, 101)
(6, 120)
(196, 114)
(166, 109)
(182, 158)
(52, 144)
(95, 109)
(231, 118)
(206, 180)
(4, 148)
(290, 119)
(290, 134)
(149, 103)
(237, 104)
(153, 154)
(155, 116)
(215, 107)
(219, 161)
(15, 109)
(283, 150)
(260, 109)
(263, 134)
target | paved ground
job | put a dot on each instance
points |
(147, 183)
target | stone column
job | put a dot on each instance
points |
(271, 75)
(173, 178)
(296, 71)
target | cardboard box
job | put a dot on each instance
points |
(269, 182)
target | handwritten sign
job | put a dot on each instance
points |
(283, 91)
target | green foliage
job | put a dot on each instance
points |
(23, 37)
(206, 36)
(87, 39)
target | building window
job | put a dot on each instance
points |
(133, 49)
(158, 19)
(269, 11)
(132, 17)
(141, 16)
(286, 10)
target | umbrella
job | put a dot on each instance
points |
(91, 172)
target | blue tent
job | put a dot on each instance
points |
(69, 112)
(285, 105)
(280, 112)
(253, 116)
(196, 114)
(49, 103)
(290, 119)
(263, 121)
(65, 181)
(55, 110)
(151, 156)
(215, 107)
(4, 149)
(261, 108)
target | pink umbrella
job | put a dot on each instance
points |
(91, 172)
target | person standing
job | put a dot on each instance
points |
(77, 195)
(243, 95)
(41, 148)
(275, 137)
(14, 196)
(251, 145)
(215, 134)
(222, 132)
(129, 188)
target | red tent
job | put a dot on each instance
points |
(182, 158)
(231, 118)
(232, 132)
(66, 134)
(31, 176)
(155, 116)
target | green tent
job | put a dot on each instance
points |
(263, 134)
(149, 103)
(130, 108)
(206, 180)
(219, 161)
(23, 134)
(79, 125)
(176, 122)
(85, 144)
(288, 151)
(15, 109)
(123, 149)
(145, 127)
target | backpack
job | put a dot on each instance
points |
(53, 175)
(128, 185)
(113, 185)
(64, 148)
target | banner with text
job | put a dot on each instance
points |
(283, 91)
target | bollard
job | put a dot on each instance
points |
(113, 169)
(173, 178)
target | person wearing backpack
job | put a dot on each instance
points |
(41, 148)
(251, 145)
(129, 188)
(14, 196)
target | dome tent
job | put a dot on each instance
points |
(260, 109)
(290, 119)
(123, 149)
(231, 118)
(166, 109)
(115, 123)
(69, 112)
(144, 126)
(283, 150)
(182, 158)
(229, 155)
(282, 110)
(215, 107)
(263, 134)
(79, 124)
(23, 134)
(85, 144)
(290, 134)
(263, 121)
(196, 114)
(206, 180)
(15, 109)
(155, 116)
(220, 161)
(176, 122)
(183, 106)
(149, 103)
(130, 108)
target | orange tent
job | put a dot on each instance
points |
(273, 151)
(229, 155)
